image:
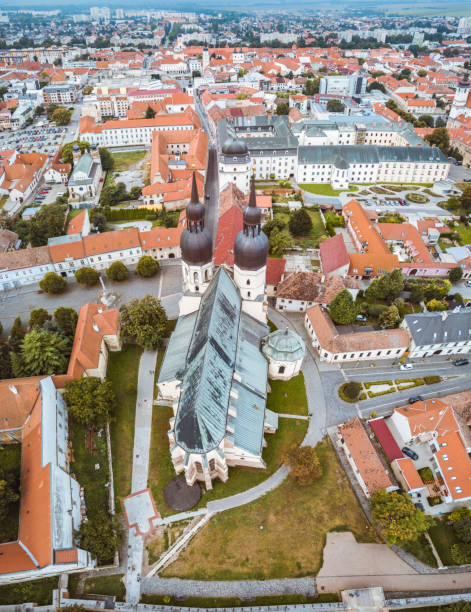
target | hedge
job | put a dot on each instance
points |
(367, 385)
(124, 214)
(430, 380)
(372, 394)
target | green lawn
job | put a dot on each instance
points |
(280, 535)
(106, 585)
(124, 159)
(122, 372)
(465, 233)
(10, 466)
(325, 189)
(443, 537)
(32, 591)
(234, 602)
(317, 233)
(289, 396)
(421, 550)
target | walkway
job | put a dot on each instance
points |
(140, 467)
(244, 589)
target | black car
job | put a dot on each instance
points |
(410, 453)
(416, 398)
(461, 362)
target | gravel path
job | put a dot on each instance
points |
(245, 589)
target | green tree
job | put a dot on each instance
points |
(335, 106)
(150, 112)
(461, 553)
(436, 305)
(89, 400)
(53, 283)
(280, 241)
(135, 192)
(147, 266)
(98, 221)
(144, 321)
(66, 318)
(461, 521)
(273, 224)
(440, 138)
(87, 276)
(455, 274)
(416, 294)
(389, 318)
(87, 90)
(117, 272)
(282, 108)
(9, 494)
(100, 535)
(42, 352)
(67, 150)
(17, 333)
(300, 223)
(107, 161)
(343, 309)
(396, 517)
(427, 119)
(61, 116)
(37, 317)
(112, 194)
(304, 464)
(5, 361)
(465, 198)
(352, 389)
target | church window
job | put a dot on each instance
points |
(248, 281)
(195, 277)
(281, 370)
(199, 467)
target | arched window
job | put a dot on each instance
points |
(206, 275)
(248, 281)
(195, 277)
(281, 370)
(248, 293)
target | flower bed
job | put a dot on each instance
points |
(417, 198)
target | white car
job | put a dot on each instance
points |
(406, 366)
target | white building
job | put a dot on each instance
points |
(439, 333)
(284, 350)
(340, 85)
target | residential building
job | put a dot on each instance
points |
(347, 85)
(439, 333)
(367, 465)
(335, 347)
(333, 256)
(20, 173)
(59, 94)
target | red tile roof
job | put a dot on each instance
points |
(275, 270)
(229, 225)
(333, 254)
(385, 438)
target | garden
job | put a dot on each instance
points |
(357, 391)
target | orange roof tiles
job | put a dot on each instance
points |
(75, 225)
(455, 465)
(429, 415)
(161, 237)
(409, 473)
(111, 241)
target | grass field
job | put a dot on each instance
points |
(10, 464)
(464, 231)
(105, 585)
(295, 401)
(317, 233)
(125, 159)
(122, 372)
(281, 534)
(32, 591)
(443, 537)
(325, 189)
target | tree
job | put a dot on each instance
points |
(144, 321)
(98, 221)
(89, 400)
(87, 90)
(42, 352)
(147, 266)
(465, 198)
(280, 241)
(273, 224)
(389, 318)
(66, 318)
(427, 119)
(386, 287)
(282, 108)
(436, 305)
(150, 112)
(135, 192)
(352, 389)
(107, 161)
(17, 333)
(112, 194)
(461, 521)
(440, 122)
(53, 283)
(416, 294)
(5, 361)
(8, 495)
(67, 150)
(100, 535)
(335, 106)
(304, 464)
(38, 317)
(461, 553)
(117, 272)
(376, 85)
(300, 222)
(343, 309)
(396, 517)
(87, 276)
(440, 138)
(61, 116)
(455, 274)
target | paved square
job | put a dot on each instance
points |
(140, 512)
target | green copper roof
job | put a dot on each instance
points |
(173, 366)
(284, 345)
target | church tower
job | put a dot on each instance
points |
(196, 247)
(205, 62)
(250, 256)
(462, 100)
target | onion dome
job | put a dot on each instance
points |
(195, 242)
(251, 244)
(234, 147)
(194, 210)
(284, 345)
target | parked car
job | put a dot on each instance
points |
(410, 453)
(361, 317)
(406, 366)
(468, 283)
(415, 398)
(461, 362)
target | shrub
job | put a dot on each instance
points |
(426, 474)
(53, 283)
(431, 380)
(87, 276)
(117, 272)
(147, 266)
(38, 317)
(300, 222)
(374, 310)
(436, 305)
(304, 464)
(434, 501)
(352, 389)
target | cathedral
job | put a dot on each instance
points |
(215, 373)
(460, 110)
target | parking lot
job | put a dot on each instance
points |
(41, 137)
